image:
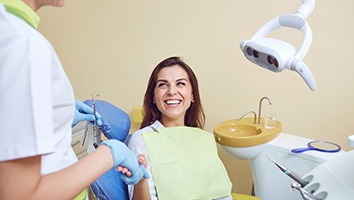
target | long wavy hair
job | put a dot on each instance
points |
(194, 117)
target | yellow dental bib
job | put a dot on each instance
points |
(185, 164)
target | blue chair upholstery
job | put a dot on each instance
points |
(115, 122)
(115, 125)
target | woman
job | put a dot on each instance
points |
(37, 109)
(171, 101)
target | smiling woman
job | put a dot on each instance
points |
(173, 94)
(181, 157)
(173, 79)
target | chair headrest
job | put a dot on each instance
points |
(115, 122)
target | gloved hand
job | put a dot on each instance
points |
(124, 157)
(84, 112)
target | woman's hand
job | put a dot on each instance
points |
(142, 161)
(141, 189)
(124, 170)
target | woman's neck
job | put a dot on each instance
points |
(172, 122)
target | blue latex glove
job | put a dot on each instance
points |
(124, 157)
(84, 112)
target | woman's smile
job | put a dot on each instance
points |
(173, 93)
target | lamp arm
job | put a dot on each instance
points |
(306, 8)
(292, 21)
(298, 22)
(267, 28)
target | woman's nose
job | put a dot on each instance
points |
(172, 90)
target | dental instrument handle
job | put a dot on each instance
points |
(96, 132)
(95, 121)
(96, 137)
(296, 178)
(305, 194)
(289, 173)
(85, 134)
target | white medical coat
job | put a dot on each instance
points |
(37, 99)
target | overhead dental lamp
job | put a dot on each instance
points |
(276, 55)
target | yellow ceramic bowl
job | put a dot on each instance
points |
(245, 133)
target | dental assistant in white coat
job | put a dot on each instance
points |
(37, 107)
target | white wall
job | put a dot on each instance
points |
(113, 45)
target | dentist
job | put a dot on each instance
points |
(37, 107)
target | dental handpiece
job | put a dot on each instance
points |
(289, 173)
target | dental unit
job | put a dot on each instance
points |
(276, 55)
(319, 171)
(285, 165)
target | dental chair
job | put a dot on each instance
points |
(116, 125)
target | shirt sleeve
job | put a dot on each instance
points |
(137, 145)
(25, 104)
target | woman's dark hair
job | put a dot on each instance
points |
(194, 117)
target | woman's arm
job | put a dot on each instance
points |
(21, 178)
(137, 145)
(141, 189)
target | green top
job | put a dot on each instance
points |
(22, 10)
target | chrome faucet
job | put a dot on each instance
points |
(260, 108)
(248, 112)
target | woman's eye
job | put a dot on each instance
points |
(162, 85)
(181, 83)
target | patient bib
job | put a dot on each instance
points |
(185, 164)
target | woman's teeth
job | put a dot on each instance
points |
(172, 102)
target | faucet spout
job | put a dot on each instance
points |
(260, 108)
(248, 112)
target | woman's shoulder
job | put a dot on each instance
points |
(154, 126)
(137, 135)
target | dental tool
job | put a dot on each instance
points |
(85, 134)
(95, 129)
(289, 173)
(305, 194)
(96, 132)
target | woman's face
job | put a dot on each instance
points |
(173, 95)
